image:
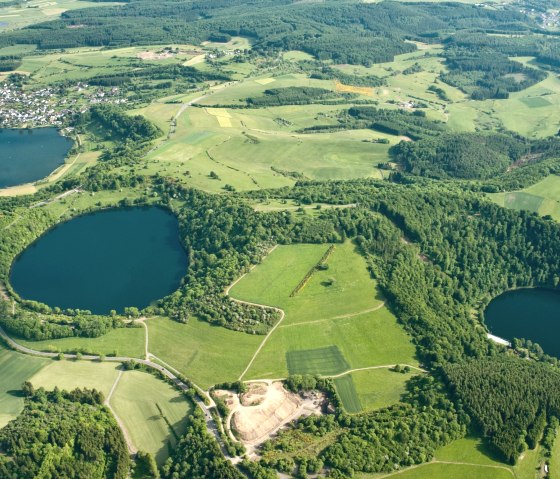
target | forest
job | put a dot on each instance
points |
(63, 434)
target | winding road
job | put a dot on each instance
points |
(210, 423)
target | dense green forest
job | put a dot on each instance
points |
(460, 155)
(63, 434)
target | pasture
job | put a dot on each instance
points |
(379, 388)
(15, 369)
(542, 198)
(152, 411)
(205, 354)
(337, 319)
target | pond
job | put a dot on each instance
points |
(102, 261)
(527, 313)
(27, 156)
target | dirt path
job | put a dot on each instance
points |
(56, 198)
(470, 464)
(342, 316)
(210, 424)
(132, 449)
(384, 366)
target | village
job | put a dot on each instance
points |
(21, 108)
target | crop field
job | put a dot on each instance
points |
(339, 309)
(15, 369)
(379, 388)
(251, 149)
(127, 342)
(348, 394)
(204, 353)
(542, 198)
(152, 411)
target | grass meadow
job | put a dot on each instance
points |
(344, 325)
(542, 198)
(15, 369)
(379, 388)
(152, 411)
(205, 354)
(117, 342)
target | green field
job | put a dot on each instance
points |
(378, 388)
(326, 361)
(152, 411)
(448, 471)
(15, 369)
(70, 375)
(542, 198)
(205, 354)
(127, 342)
(346, 389)
(346, 315)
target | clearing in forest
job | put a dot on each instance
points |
(337, 322)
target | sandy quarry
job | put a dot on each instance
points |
(265, 408)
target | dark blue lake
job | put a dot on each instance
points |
(105, 260)
(27, 156)
(527, 313)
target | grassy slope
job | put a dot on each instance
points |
(15, 368)
(204, 353)
(136, 400)
(542, 198)
(465, 459)
(379, 388)
(73, 374)
(118, 342)
(321, 316)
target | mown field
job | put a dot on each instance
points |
(337, 322)
(542, 198)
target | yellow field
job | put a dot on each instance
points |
(360, 90)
